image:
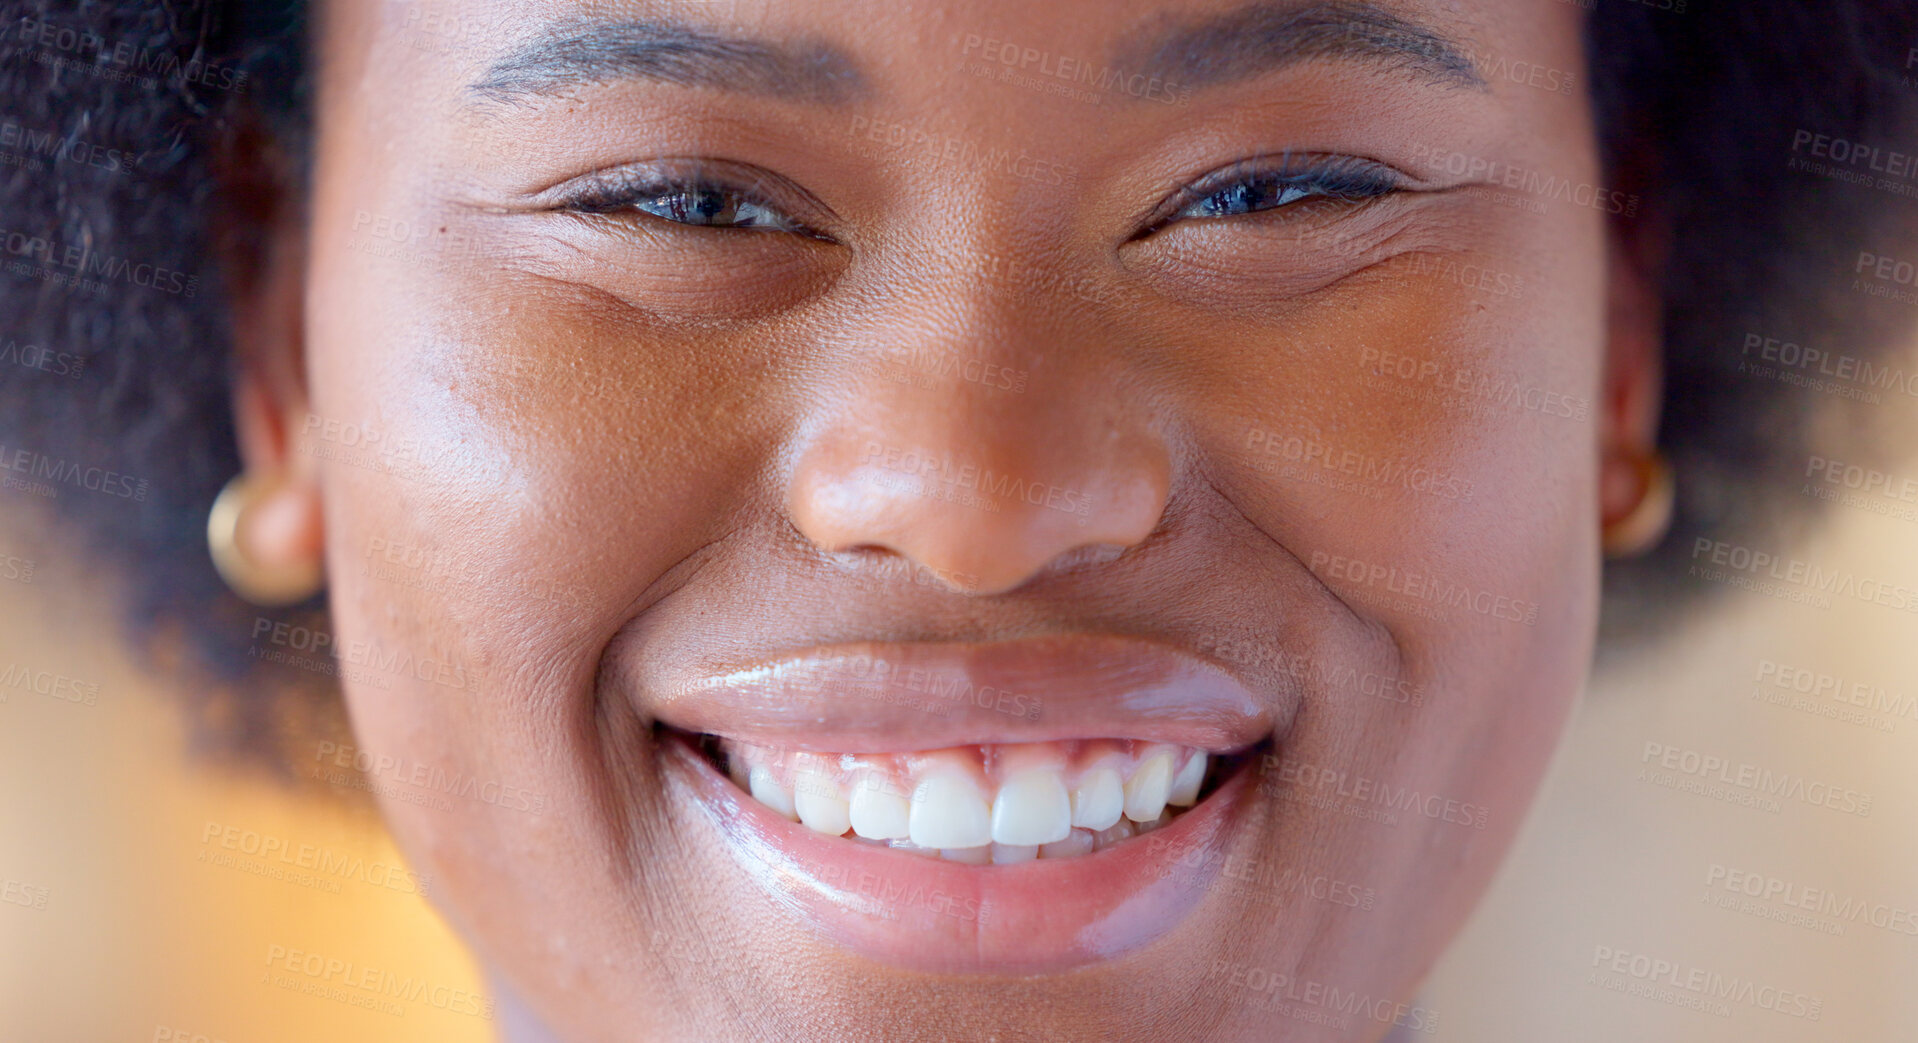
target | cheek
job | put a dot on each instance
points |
(499, 486)
(1423, 439)
(1425, 446)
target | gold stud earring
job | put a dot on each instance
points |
(1640, 529)
(268, 587)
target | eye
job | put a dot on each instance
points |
(715, 206)
(695, 197)
(1269, 183)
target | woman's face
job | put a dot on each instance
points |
(988, 406)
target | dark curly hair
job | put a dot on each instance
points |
(115, 112)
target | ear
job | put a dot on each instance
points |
(1633, 387)
(260, 237)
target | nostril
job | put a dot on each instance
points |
(1089, 555)
(882, 562)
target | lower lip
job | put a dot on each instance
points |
(924, 914)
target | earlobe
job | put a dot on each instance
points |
(265, 532)
(1636, 489)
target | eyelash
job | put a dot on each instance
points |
(1244, 188)
(637, 190)
(1264, 183)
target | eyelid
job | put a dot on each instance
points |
(614, 189)
(1302, 167)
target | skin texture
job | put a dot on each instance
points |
(633, 442)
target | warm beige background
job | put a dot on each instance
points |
(1610, 860)
(99, 806)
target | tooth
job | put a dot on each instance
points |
(875, 812)
(1147, 827)
(816, 798)
(1032, 808)
(767, 790)
(736, 767)
(1185, 785)
(1146, 790)
(1006, 854)
(1099, 800)
(1080, 842)
(912, 848)
(1105, 838)
(947, 811)
(972, 856)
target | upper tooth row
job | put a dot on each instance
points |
(947, 810)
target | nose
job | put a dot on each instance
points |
(984, 467)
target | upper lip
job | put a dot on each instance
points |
(932, 695)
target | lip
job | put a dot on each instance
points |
(923, 914)
(870, 697)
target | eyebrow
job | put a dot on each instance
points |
(1264, 37)
(669, 52)
(1250, 41)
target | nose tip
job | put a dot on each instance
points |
(983, 525)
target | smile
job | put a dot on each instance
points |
(976, 841)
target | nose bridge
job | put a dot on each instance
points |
(982, 435)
